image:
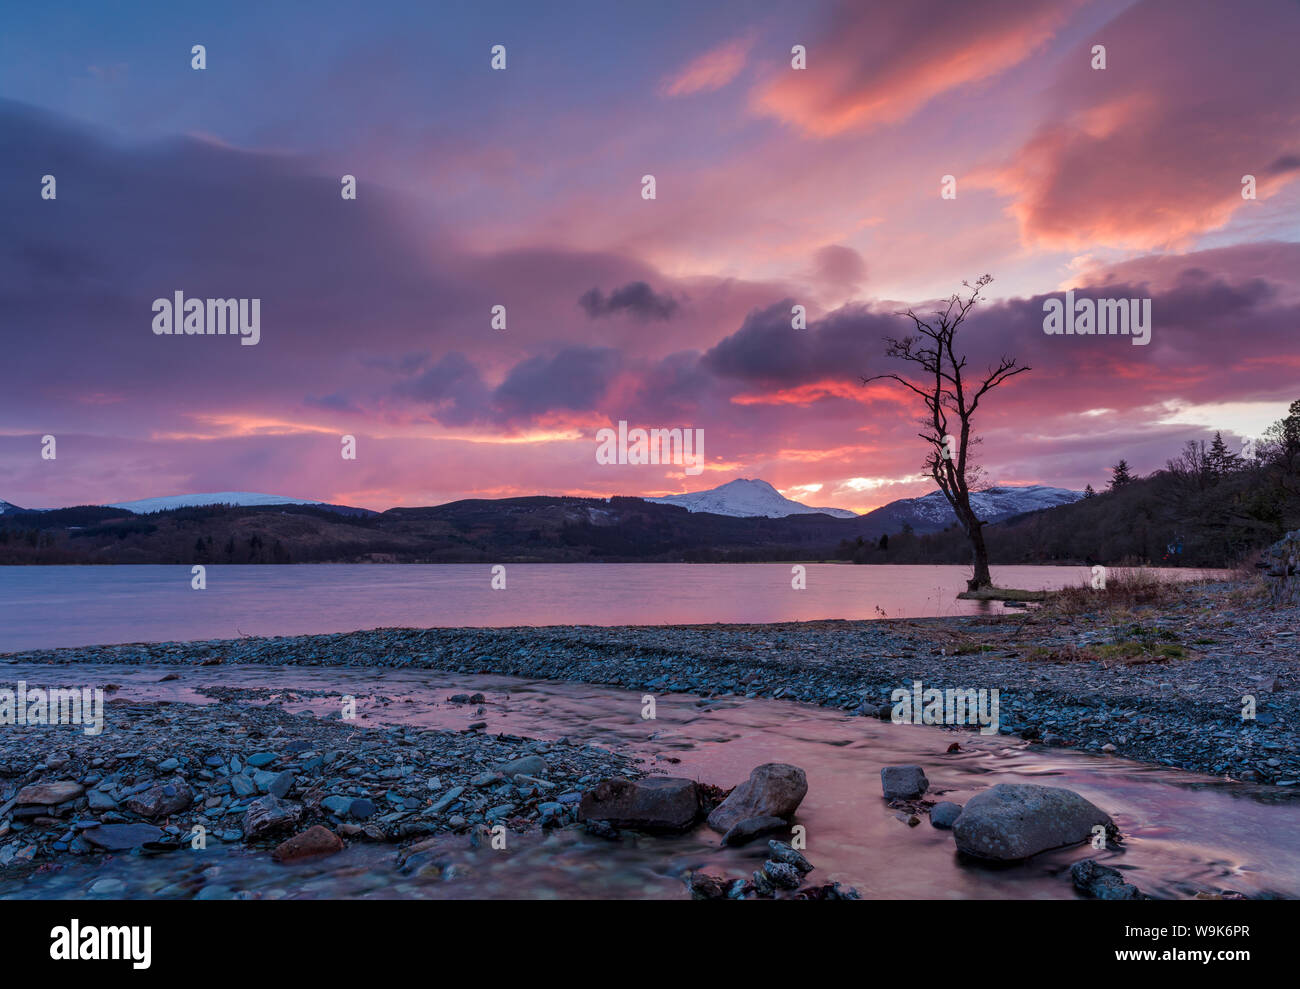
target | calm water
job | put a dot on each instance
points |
(1185, 833)
(47, 607)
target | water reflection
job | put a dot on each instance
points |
(1184, 832)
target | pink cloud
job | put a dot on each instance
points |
(1151, 151)
(710, 71)
(880, 64)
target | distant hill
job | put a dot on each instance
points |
(932, 513)
(6, 507)
(146, 506)
(747, 498)
(1207, 522)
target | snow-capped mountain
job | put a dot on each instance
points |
(932, 513)
(146, 505)
(747, 498)
(7, 507)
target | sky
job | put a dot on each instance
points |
(522, 187)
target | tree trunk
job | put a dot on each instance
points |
(979, 559)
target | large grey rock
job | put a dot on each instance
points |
(774, 789)
(1016, 820)
(903, 782)
(944, 814)
(49, 794)
(269, 815)
(529, 765)
(655, 804)
(750, 828)
(119, 837)
(161, 800)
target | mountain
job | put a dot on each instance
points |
(1211, 526)
(747, 498)
(932, 513)
(7, 507)
(165, 504)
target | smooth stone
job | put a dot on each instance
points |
(1013, 821)
(751, 828)
(903, 782)
(531, 765)
(447, 799)
(99, 800)
(49, 794)
(337, 805)
(119, 837)
(774, 789)
(944, 814)
(161, 800)
(654, 804)
(281, 785)
(315, 841)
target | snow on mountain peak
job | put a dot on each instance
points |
(746, 498)
(994, 503)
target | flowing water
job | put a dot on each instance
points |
(49, 607)
(1184, 832)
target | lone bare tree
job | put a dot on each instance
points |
(951, 399)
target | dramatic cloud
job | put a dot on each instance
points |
(572, 380)
(859, 75)
(1152, 150)
(636, 299)
(776, 187)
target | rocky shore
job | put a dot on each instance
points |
(175, 776)
(1166, 685)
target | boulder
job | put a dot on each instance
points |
(1013, 821)
(529, 765)
(750, 828)
(49, 794)
(120, 837)
(944, 814)
(903, 782)
(655, 804)
(268, 816)
(161, 800)
(316, 840)
(774, 789)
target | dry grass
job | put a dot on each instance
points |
(1126, 589)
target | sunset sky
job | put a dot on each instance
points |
(522, 188)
